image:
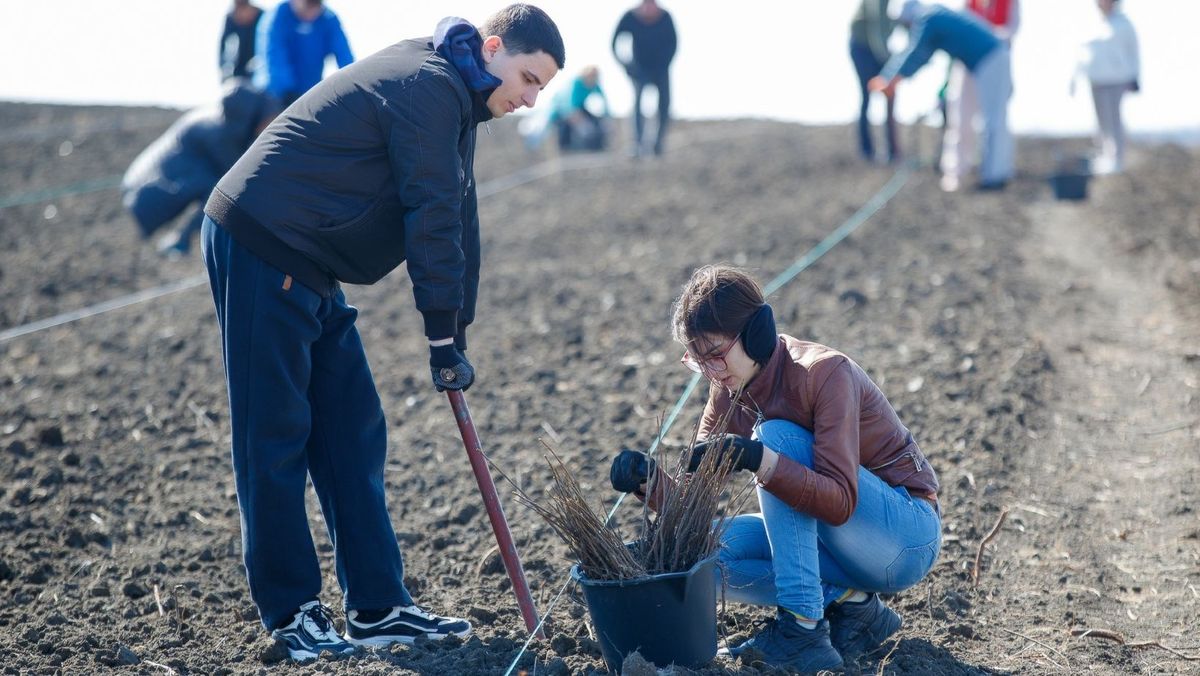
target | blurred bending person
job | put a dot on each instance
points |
(848, 502)
(1111, 63)
(579, 113)
(966, 38)
(371, 168)
(294, 39)
(960, 152)
(180, 168)
(237, 40)
(652, 33)
(869, 33)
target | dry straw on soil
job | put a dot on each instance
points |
(683, 528)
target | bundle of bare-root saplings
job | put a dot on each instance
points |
(654, 594)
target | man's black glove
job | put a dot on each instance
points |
(630, 469)
(746, 452)
(450, 368)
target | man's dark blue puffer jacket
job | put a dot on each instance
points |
(370, 168)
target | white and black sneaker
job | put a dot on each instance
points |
(400, 624)
(310, 632)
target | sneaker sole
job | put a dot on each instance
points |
(385, 641)
(302, 655)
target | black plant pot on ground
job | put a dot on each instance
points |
(670, 618)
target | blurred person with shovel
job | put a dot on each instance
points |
(959, 152)
(966, 38)
(372, 167)
(848, 501)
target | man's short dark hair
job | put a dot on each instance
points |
(525, 29)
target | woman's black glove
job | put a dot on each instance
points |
(450, 368)
(746, 452)
(630, 469)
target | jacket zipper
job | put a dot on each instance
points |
(916, 459)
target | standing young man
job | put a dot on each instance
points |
(372, 167)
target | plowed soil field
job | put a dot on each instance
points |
(1045, 354)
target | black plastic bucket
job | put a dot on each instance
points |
(1069, 186)
(669, 618)
(1070, 181)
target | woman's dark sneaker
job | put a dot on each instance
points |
(310, 632)
(783, 643)
(858, 628)
(401, 624)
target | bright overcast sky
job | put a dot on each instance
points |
(760, 58)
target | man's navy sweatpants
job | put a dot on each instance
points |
(302, 403)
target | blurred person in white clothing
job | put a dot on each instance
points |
(1109, 59)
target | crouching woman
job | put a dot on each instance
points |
(848, 501)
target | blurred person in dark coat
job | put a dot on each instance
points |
(237, 40)
(181, 167)
(654, 42)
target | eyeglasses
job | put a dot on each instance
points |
(713, 364)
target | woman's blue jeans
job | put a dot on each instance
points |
(783, 557)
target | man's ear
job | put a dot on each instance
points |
(491, 45)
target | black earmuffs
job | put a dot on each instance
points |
(758, 336)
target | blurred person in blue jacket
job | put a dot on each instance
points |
(959, 151)
(967, 38)
(182, 166)
(294, 39)
(236, 51)
(652, 33)
(579, 112)
(869, 32)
